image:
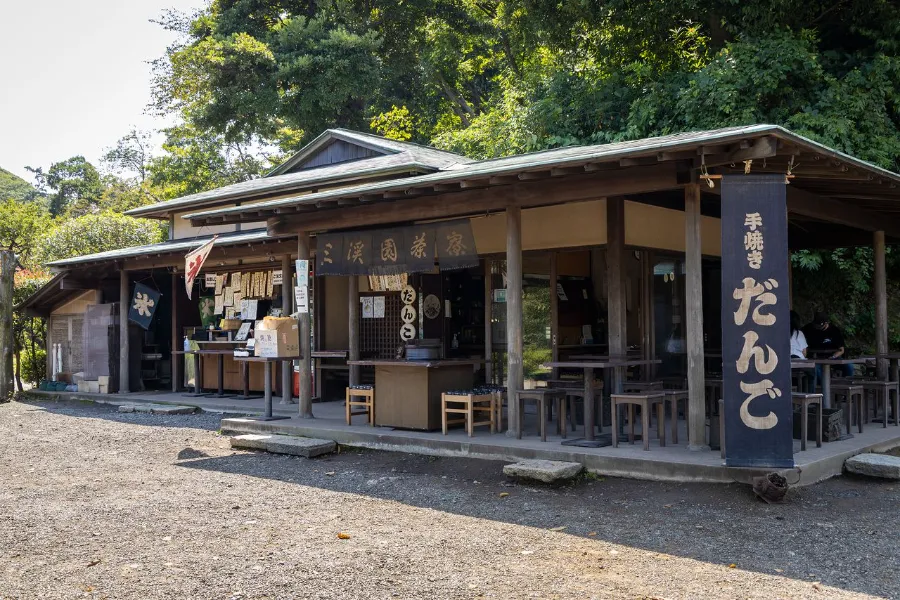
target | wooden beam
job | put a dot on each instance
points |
(503, 180)
(287, 367)
(764, 147)
(68, 283)
(177, 342)
(514, 317)
(217, 254)
(554, 311)
(563, 171)
(694, 319)
(803, 203)
(615, 283)
(575, 188)
(881, 306)
(534, 175)
(304, 370)
(124, 301)
(488, 328)
(353, 327)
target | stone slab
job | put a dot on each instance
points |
(874, 465)
(158, 409)
(284, 444)
(546, 471)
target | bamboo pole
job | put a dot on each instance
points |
(287, 366)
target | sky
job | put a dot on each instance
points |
(74, 76)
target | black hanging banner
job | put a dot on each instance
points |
(144, 303)
(329, 254)
(418, 248)
(387, 258)
(456, 245)
(756, 357)
(358, 252)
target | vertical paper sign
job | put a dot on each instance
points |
(301, 298)
(302, 272)
(756, 351)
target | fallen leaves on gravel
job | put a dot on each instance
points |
(560, 528)
(343, 536)
(94, 563)
(504, 494)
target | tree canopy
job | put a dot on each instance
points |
(495, 77)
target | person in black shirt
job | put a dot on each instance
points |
(826, 341)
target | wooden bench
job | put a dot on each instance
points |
(884, 393)
(645, 401)
(804, 400)
(850, 394)
(472, 401)
(541, 396)
(673, 398)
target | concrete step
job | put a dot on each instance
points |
(284, 444)
(882, 466)
(547, 471)
(157, 409)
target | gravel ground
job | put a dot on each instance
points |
(98, 504)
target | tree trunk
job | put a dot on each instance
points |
(7, 343)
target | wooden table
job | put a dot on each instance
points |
(267, 366)
(408, 392)
(589, 367)
(826, 363)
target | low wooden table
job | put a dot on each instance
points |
(589, 367)
(317, 356)
(267, 366)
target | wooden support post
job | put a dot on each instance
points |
(488, 316)
(353, 329)
(615, 284)
(287, 293)
(554, 313)
(305, 370)
(124, 301)
(177, 342)
(514, 318)
(694, 317)
(7, 342)
(881, 308)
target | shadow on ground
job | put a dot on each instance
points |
(833, 532)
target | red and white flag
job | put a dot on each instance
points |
(192, 263)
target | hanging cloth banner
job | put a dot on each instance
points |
(756, 334)
(388, 257)
(329, 254)
(418, 248)
(144, 303)
(193, 262)
(456, 245)
(207, 311)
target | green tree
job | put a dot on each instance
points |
(74, 184)
(100, 232)
(29, 333)
(16, 188)
(22, 225)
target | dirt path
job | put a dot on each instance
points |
(99, 504)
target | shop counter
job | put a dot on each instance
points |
(408, 392)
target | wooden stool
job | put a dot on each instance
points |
(645, 401)
(500, 400)
(367, 393)
(884, 393)
(472, 401)
(714, 390)
(804, 400)
(574, 391)
(673, 397)
(540, 396)
(850, 393)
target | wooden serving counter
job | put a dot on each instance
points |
(408, 392)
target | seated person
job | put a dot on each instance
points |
(826, 341)
(798, 350)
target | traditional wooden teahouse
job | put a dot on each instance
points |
(433, 286)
